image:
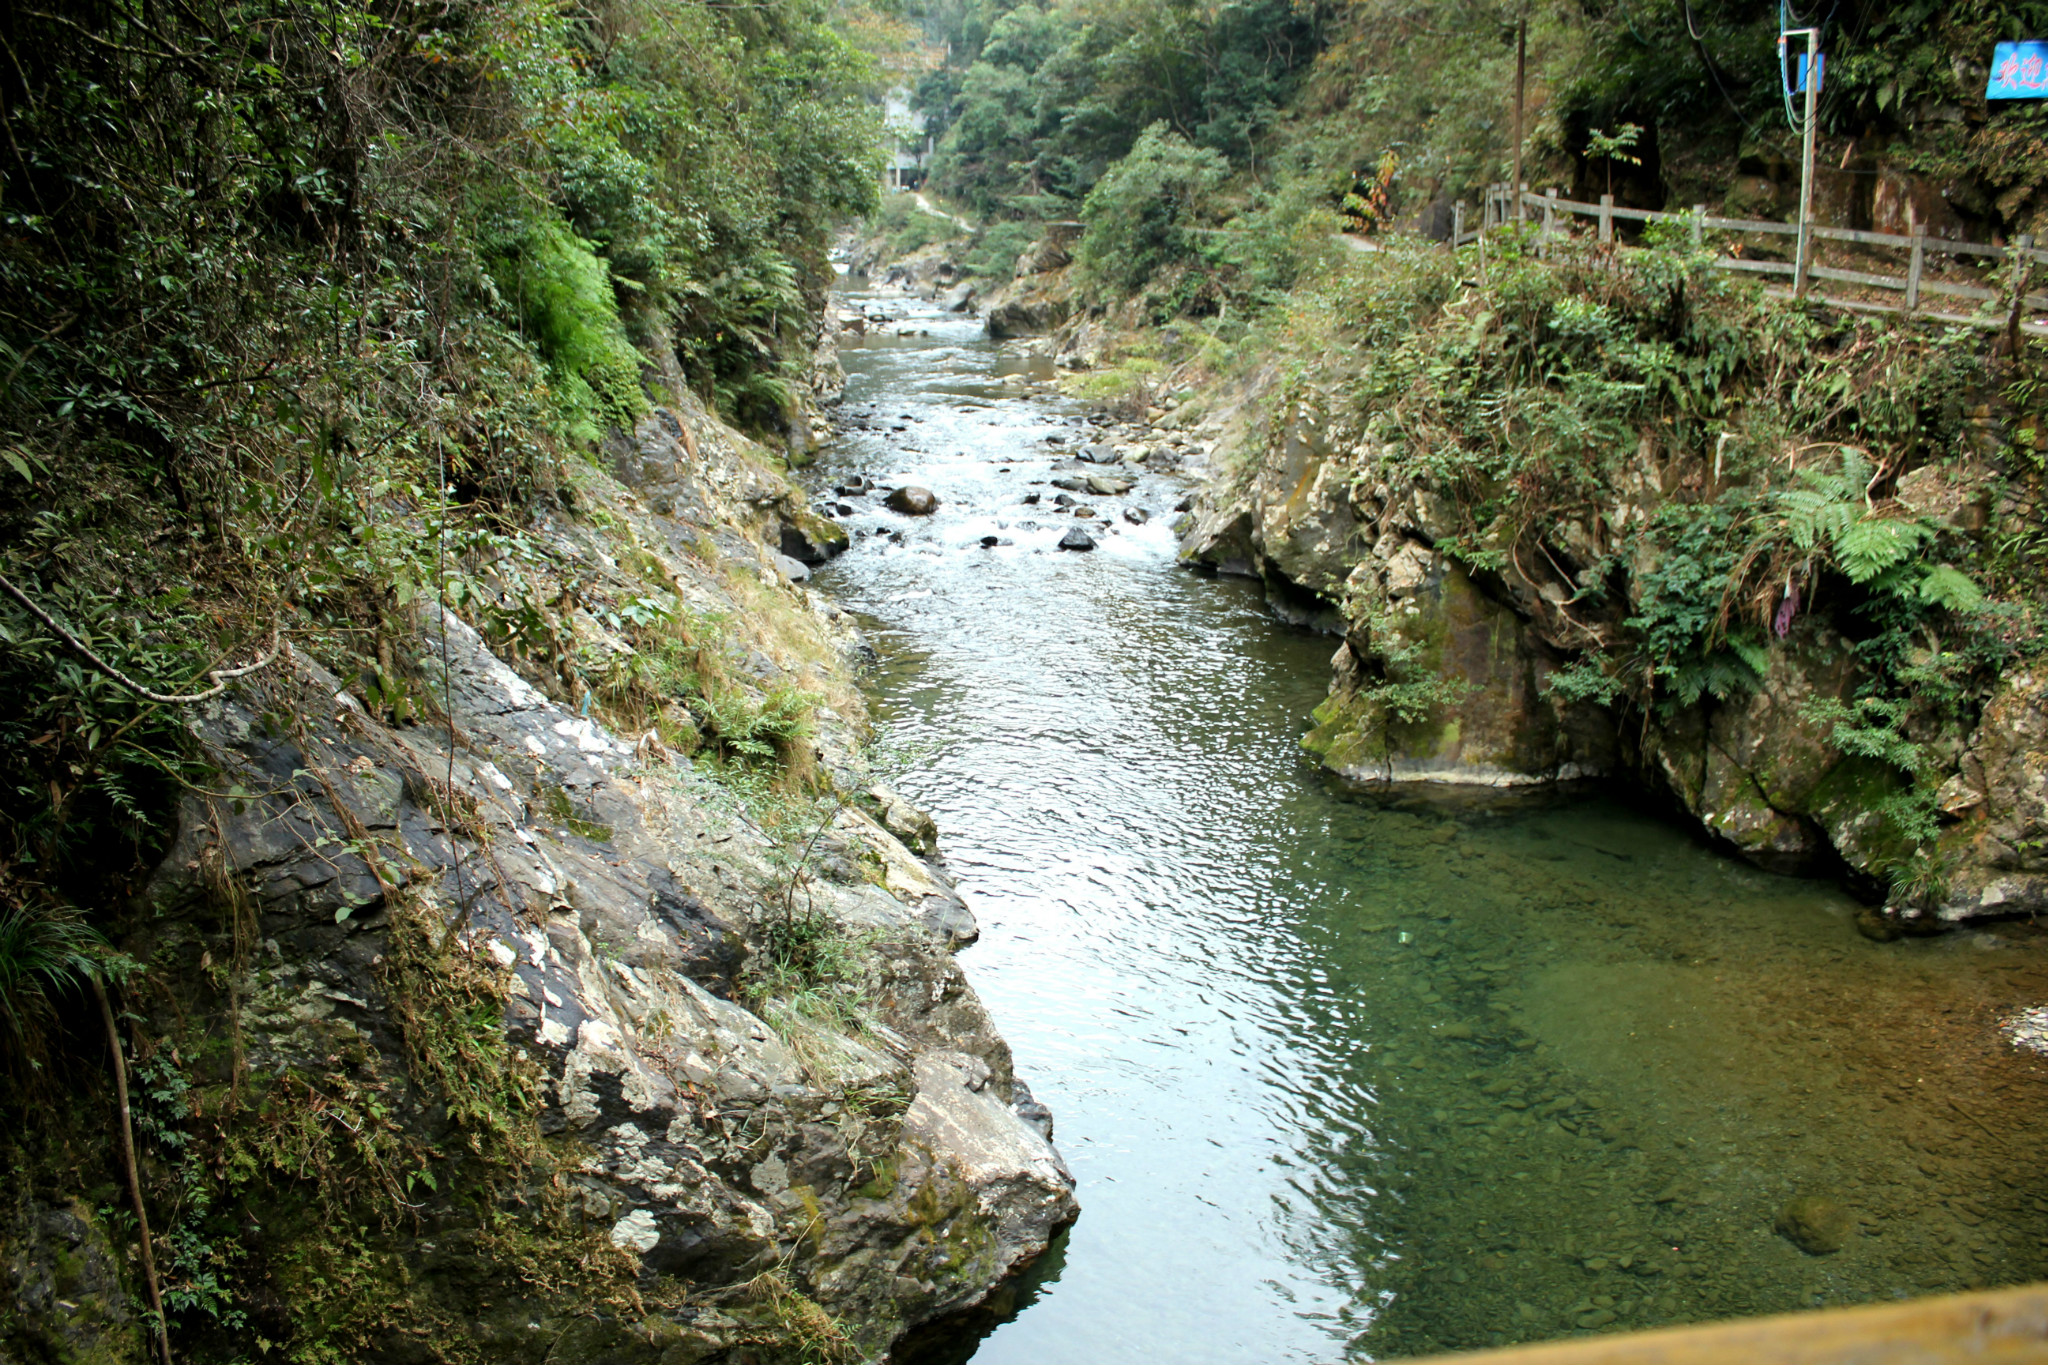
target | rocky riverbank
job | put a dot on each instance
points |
(493, 1023)
(1476, 653)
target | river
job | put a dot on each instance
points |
(1346, 1075)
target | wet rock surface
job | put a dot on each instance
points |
(912, 501)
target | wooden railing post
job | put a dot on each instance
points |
(1606, 217)
(1549, 218)
(2022, 254)
(1457, 223)
(1699, 225)
(1919, 263)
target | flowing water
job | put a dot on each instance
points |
(1346, 1076)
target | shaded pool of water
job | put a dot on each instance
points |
(1356, 1076)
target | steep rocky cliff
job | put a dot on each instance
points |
(471, 1026)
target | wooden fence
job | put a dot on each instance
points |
(1931, 264)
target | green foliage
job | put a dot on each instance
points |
(44, 952)
(1687, 473)
(1042, 99)
(1832, 511)
(1681, 622)
(996, 249)
(564, 295)
(449, 1002)
(909, 228)
(1410, 690)
(745, 730)
(1146, 213)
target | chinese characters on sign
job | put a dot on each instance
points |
(2019, 71)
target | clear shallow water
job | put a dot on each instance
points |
(1348, 1077)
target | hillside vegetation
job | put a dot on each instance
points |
(1264, 117)
(1780, 562)
(289, 289)
(352, 357)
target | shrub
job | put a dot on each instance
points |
(1146, 213)
(564, 295)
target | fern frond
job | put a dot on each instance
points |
(1867, 546)
(1949, 587)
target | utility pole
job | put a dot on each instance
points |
(1521, 85)
(1804, 259)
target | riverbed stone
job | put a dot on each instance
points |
(1816, 1224)
(912, 501)
(1077, 539)
(811, 539)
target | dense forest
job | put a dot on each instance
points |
(1232, 124)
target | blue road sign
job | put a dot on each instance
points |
(2019, 71)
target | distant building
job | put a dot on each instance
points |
(910, 146)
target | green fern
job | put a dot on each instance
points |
(1946, 586)
(1868, 546)
(1832, 512)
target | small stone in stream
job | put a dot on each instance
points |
(1030, 499)
(1071, 485)
(1063, 500)
(1457, 1030)
(1599, 1317)
(1055, 440)
(844, 509)
(1084, 511)
(1137, 516)
(1004, 470)
(1104, 487)
(989, 542)
(1817, 1225)
(1186, 504)
(913, 501)
(1077, 539)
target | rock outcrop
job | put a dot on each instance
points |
(524, 1036)
(1449, 673)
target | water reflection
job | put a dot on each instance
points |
(1344, 1076)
